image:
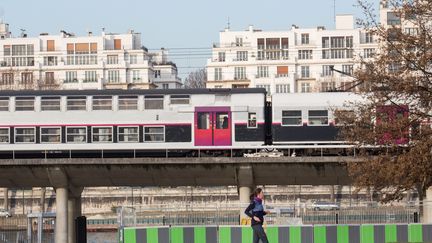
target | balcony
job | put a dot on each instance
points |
(282, 75)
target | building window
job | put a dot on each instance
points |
(368, 37)
(292, 118)
(153, 102)
(165, 86)
(78, 103)
(7, 79)
(27, 78)
(305, 88)
(265, 86)
(128, 134)
(25, 135)
(19, 55)
(348, 69)
(282, 88)
(50, 61)
(305, 39)
(218, 74)
(305, 71)
(221, 56)
(179, 99)
(76, 134)
(24, 103)
(239, 41)
(50, 135)
(71, 77)
(4, 135)
(263, 72)
(50, 103)
(102, 103)
(112, 59)
(242, 56)
(154, 134)
(4, 103)
(136, 76)
(81, 53)
(113, 76)
(368, 52)
(326, 71)
(102, 134)
(252, 120)
(128, 103)
(90, 77)
(318, 117)
(133, 59)
(157, 73)
(239, 73)
(282, 71)
(328, 86)
(304, 54)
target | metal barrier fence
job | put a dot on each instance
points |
(280, 215)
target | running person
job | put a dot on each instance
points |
(255, 210)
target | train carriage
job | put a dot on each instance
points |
(88, 120)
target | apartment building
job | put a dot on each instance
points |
(67, 61)
(296, 60)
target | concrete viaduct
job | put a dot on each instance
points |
(70, 176)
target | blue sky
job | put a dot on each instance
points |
(169, 24)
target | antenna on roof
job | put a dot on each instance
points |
(228, 24)
(334, 11)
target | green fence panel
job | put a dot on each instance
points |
(367, 234)
(391, 233)
(343, 234)
(129, 235)
(224, 234)
(247, 234)
(295, 234)
(320, 234)
(273, 234)
(415, 233)
(176, 235)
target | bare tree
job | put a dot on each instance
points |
(396, 114)
(196, 79)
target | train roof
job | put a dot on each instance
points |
(315, 99)
(131, 92)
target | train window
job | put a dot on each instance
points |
(128, 103)
(50, 135)
(153, 102)
(128, 134)
(25, 135)
(318, 117)
(76, 103)
(76, 134)
(50, 103)
(292, 118)
(4, 103)
(102, 103)
(24, 103)
(222, 120)
(180, 99)
(203, 120)
(252, 120)
(154, 134)
(4, 135)
(102, 134)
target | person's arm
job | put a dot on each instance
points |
(249, 210)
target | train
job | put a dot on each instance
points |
(139, 123)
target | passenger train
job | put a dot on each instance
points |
(110, 123)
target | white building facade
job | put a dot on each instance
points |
(66, 61)
(298, 60)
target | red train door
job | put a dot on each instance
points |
(212, 126)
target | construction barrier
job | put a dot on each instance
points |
(367, 233)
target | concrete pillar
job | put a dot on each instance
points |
(61, 226)
(245, 185)
(427, 207)
(74, 211)
(6, 199)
